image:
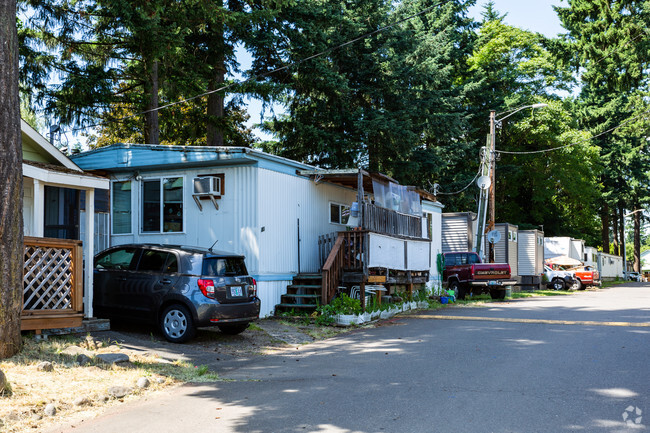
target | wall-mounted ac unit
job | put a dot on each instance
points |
(210, 185)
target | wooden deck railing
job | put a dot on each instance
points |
(389, 222)
(52, 284)
(347, 254)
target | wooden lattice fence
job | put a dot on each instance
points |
(52, 284)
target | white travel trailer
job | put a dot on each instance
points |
(564, 246)
(591, 257)
(610, 266)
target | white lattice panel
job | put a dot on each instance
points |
(47, 281)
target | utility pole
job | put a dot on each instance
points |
(491, 150)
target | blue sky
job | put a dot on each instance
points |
(533, 15)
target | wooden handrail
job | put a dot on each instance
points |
(332, 269)
(348, 254)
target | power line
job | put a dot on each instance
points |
(468, 185)
(577, 142)
(265, 74)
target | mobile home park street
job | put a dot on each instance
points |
(561, 363)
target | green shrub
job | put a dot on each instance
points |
(343, 304)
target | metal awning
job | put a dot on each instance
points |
(349, 178)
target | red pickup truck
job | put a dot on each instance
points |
(464, 273)
(585, 276)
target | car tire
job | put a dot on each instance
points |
(498, 293)
(233, 329)
(557, 284)
(577, 285)
(176, 324)
(459, 291)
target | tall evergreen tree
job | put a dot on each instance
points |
(612, 54)
(388, 102)
(120, 61)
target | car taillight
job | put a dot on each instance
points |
(252, 289)
(472, 270)
(207, 288)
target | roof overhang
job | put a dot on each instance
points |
(64, 178)
(48, 147)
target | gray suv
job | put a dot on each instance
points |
(179, 288)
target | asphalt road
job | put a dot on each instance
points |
(490, 371)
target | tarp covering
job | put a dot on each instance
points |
(563, 261)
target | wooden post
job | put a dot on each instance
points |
(409, 286)
(88, 253)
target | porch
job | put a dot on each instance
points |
(52, 284)
(387, 245)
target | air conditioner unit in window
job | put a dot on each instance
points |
(207, 185)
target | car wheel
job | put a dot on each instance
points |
(557, 284)
(459, 292)
(577, 285)
(176, 324)
(233, 329)
(498, 293)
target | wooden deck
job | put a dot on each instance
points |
(52, 284)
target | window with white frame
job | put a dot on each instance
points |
(121, 209)
(162, 205)
(339, 213)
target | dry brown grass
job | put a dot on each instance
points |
(22, 407)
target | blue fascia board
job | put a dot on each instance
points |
(129, 157)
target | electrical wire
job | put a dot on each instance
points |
(577, 142)
(468, 185)
(265, 74)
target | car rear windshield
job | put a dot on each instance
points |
(224, 266)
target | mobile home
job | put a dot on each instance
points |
(610, 266)
(273, 210)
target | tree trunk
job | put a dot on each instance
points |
(621, 229)
(152, 127)
(615, 230)
(216, 100)
(215, 106)
(637, 240)
(11, 198)
(604, 219)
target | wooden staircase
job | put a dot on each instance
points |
(303, 294)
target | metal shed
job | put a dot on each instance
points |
(506, 250)
(458, 231)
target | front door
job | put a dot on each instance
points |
(61, 213)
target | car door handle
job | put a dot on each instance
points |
(166, 281)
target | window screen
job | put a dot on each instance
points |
(121, 207)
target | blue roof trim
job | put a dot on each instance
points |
(129, 157)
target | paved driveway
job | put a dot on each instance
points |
(423, 374)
